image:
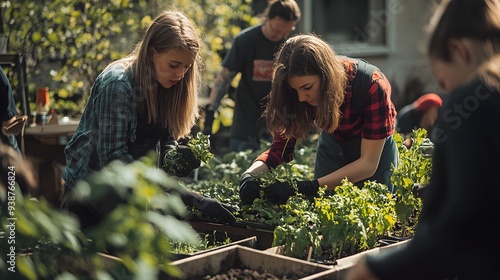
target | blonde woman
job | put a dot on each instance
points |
(146, 99)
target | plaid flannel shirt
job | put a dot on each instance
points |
(108, 122)
(378, 121)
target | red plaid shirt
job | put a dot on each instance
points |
(378, 121)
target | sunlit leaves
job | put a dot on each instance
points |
(347, 222)
(414, 167)
(50, 244)
(146, 21)
(88, 35)
(36, 37)
(78, 32)
(352, 219)
(200, 146)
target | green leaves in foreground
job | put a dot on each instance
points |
(50, 245)
(140, 230)
(341, 224)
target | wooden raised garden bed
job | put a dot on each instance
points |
(342, 265)
(246, 242)
(242, 260)
(237, 231)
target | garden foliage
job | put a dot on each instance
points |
(67, 43)
(49, 244)
(332, 224)
(144, 231)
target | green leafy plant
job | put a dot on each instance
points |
(296, 226)
(353, 219)
(139, 231)
(328, 226)
(200, 146)
(34, 235)
(414, 167)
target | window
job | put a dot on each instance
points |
(354, 27)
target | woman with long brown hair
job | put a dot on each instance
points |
(349, 100)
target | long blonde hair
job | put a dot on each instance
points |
(179, 106)
(304, 55)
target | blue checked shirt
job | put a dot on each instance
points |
(108, 123)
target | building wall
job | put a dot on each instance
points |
(407, 58)
(404, 59)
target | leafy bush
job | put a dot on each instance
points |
(414, 167)
(49, 244)
(333, 225)
(353, 219)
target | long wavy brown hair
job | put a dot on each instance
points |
(177, 108)
(305, 55)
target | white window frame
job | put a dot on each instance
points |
(361, 49)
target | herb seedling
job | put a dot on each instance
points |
(199, 146)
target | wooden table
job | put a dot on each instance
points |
(44, 147)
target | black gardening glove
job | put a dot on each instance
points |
(210, 207)
(179, 160)
(249, 189)
(279, 192)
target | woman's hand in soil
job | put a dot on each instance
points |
(218, 211)
(279, 192)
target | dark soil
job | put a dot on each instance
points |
(246, 274)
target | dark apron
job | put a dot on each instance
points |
(332, 155)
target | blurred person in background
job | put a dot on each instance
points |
(12, 123)
(252, 54)
(422, 113)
